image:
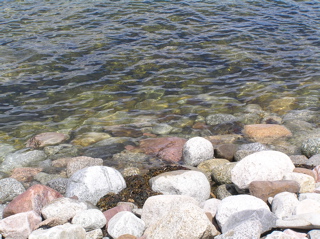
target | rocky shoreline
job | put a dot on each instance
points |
(254, 175)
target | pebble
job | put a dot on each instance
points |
(10, 188)
(182, 182)
(197, 150)
(92, 183)
(261, 166)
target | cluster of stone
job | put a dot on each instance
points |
(224, 190)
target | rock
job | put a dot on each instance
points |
(94, 234)
(284, 204)
(282, 105)
(314, 160)
(182, 182)
(92, 183)
(108, 214)
(19, 225)
(234, 204)
(247, 149)
(305, 171)
(211, 205)
(306, 182)
(286, 234)
(25, 174)
(51, 222)
(313, 196)
(265, 133)
(157, 207)
(66, 231)
(261, 166)
(225, 190)
(89, 138)
(246, 229)
(58, 184)
(5, 149)
(168, 148)
(34, 198)
(217, 119)
(10, 188)
(266, 219)
(124, 131)
(46, 139)
(130, 171)
(21, 158)
(207, 166)
(43, 178)
(307, 206)
(298, 159)
(266, 189)
(225, 151)
(316, 172)
(314, 234)
(61, 151)
(303, 221)
(63, 208)
(162, 129)
(180, 222)
(197, 150)
(125, 223)
(222, 173)
(90, 219)
(76, 163)
(311, 147)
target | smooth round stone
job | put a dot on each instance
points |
(197, 150)
(311, 147)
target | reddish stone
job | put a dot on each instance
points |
(35, 198)
(25, 174)
(265, 132)
(113, 211)
(167, 148)
(46, 139)
(266, 189)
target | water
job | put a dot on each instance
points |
(65, 65)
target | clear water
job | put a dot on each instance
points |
(65, 64)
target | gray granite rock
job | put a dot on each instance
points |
(311, 147)
(247, 149)
(58, 184)
(22, 158)
(197, 150)
(92, 183)
(10, 188)
(182, 182)
(246, 229)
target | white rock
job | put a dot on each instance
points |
(286, 234)
(64, 208)
(182, 182)
(284, 204)
(211, 205)
(313, 196)
(307, 206)
(90, 219)
(65, 231)
(92, 183)
(237, 203)
(182, 221)
(261, 166)
(306, 182)
(314, 234)
(125, 223)
(248, 229)
(197, 150)
(156, 207)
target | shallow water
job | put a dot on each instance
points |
(64, 65)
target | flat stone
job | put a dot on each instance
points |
(265, 133)
(167, 148)
(197, 150)
(182, 182)
(92, 183)
(266, 189)
(261, 166)
(34, 198)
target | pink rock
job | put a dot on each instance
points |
(34, 198)
(167, 148)
(45, 139)
(113, 211)
(25, 174)
(265, 133)
(19, 225)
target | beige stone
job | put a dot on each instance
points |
(265, 133)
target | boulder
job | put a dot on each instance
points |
(197, 150)
(92, 183)
(261, 166)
